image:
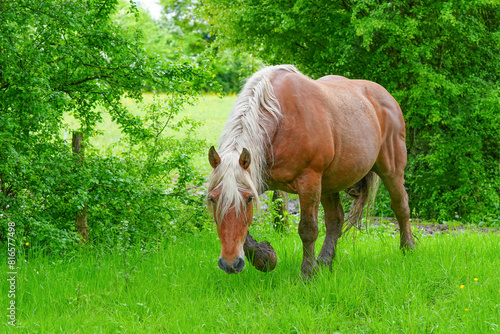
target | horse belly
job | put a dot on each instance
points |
(348, 168)
(357, 141)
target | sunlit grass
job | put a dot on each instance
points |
(179, 288)
(449, 284)
(210, 109)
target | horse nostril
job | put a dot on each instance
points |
(222, 264)
(235, 268)
(239, 264)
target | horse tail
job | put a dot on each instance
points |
(363, 191)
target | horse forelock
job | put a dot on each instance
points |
(231, 180)
(256, 110)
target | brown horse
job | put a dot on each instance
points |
(313, 138)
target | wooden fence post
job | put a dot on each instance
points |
(281, 221)
(81, 216)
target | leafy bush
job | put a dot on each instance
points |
(152, 189)
(70, 58)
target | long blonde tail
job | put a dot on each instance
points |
(361, 194)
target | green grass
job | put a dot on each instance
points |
(178, 288)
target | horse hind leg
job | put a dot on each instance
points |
(334, 219)
(399, 204)
(390, 167)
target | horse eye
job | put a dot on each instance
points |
(249, 199)
(212, 199)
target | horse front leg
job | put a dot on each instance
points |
(334, 219)
(309, 196)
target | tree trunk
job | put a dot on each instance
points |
(81, 216)
(281, 221)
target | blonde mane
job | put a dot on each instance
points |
(246, 127)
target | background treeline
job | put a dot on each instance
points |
(440, 60)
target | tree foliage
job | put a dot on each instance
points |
(59, 57)
(173, 36)
(180, 34)
(440, 60)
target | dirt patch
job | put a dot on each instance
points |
(426, 229)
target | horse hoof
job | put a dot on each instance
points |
(326, 263)
(262, 256)
(407, 247)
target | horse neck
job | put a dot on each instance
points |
(252, 122)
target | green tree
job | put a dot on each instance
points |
(440, 60)
(228, 67)
(59, 57)
(181, 34)
(193, 33)
(174, 36)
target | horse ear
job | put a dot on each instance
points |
(213, 157)
(245, 159)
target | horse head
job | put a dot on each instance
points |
(230, 196)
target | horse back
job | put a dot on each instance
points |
(334, 126)
(389, 114)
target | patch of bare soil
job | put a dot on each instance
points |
(426, 229)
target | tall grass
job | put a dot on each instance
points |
(176, 287)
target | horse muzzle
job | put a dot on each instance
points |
(232, 268)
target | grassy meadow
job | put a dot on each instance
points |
(449, 284)
(212, 110)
